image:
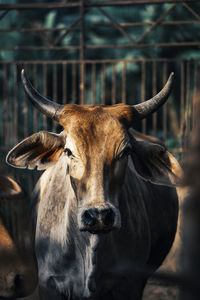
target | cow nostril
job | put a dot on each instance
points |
(108, 217)
(89, 217)
(19, 282)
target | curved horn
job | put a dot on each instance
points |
(150, 106)
(46, 106)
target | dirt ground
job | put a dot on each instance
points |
(157, 291)
(153, 291)
(34, 296)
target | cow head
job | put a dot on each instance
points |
(95, 143)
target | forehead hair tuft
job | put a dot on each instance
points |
(121, 112)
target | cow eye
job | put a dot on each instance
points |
(68, 152)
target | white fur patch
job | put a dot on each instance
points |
(75, 163)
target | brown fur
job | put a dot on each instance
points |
(85, 124)
(6, 242)
(124, 113)
(15, 258)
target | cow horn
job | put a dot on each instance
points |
(46, 106)
(150, 106)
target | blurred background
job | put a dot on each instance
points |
(97, 51)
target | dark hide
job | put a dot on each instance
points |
(18, 271)
(76, 265)
(152, 161)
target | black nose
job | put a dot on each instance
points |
(89, 217)
(94, 218)
(19, 284)
(108, 217)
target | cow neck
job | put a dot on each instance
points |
(86, 245)
(77, 250)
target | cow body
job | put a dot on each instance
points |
(104, 203)
(18, 275)
(76, 263)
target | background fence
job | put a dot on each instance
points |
(92, 52)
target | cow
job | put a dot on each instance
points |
(190, 251)
(18, 273)
(104, 201)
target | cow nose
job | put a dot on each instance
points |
(89, 217)
(19, 284)
(108, 217)
(97, 220)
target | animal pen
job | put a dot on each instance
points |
(79, 73)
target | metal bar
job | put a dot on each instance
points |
(31, 6)
(136, 24)
(103, 83)
(67, 31)
(27, 48)
(82, 82)
(101, 61)
(93, 83)
(195, 96)
(181, 44)
(154, 90)
(55, 91)
(6, 105)
(82, 52)
(15, 121)
(134, 2)
(187, 106)
(143, 80)
(190, 103)
(182, 119)
(74, 83)
(3, 14)
(44, 48)
(165, 106)
(35, 111)
(191, 11)
(114, 84)
(163, 15)
(124, 82)
(2, 119)
(61, 5)
(24, 30)
(116, 25)
(25, 111)
(44, 81)
(64, 83)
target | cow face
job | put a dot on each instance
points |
(96, 149)
(95, 146)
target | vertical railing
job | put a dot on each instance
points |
(106, 82)
(143, 75)
(154, 90)
(82, 53)
(64, 83)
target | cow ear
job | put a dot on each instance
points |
(154, 163)
(40, 150)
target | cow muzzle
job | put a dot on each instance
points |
(99, 220)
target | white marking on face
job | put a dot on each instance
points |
(70, 143)
(76, 166)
